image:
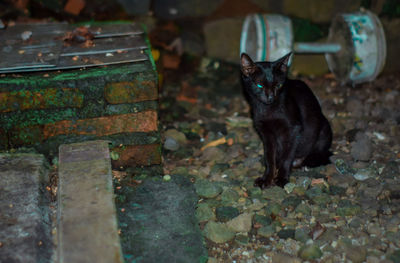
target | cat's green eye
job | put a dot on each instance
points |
(260, 86)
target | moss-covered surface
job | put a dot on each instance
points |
(157, 221)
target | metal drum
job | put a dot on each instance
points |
(365, 53)
(266, 37)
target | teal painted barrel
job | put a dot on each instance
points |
(266, 37)
(364, 38)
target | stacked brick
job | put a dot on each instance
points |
(116, 103)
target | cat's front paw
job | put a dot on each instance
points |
(281, 182)
(263, 183)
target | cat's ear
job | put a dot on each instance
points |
(248, 67)
(283, 63)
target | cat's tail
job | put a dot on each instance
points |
(317, 159)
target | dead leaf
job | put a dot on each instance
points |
(317, 231)
(214, 143)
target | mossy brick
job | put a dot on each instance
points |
(82, 79)
(137, 155)
(40, 99)
(145, 121)
(114, 102)
(130, 91)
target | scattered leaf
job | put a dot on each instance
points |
(214, 143)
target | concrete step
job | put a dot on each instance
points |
(87, 222)
(157, 221)
(25, 225)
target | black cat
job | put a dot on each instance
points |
(287, 117)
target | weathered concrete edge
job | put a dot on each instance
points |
(58, 255)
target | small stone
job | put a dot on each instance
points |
(176, 135)
(337, 190)
(226, 213)
(342, 167)
(212, 260)
(273, 209)
(374, 229)
(283, 258)
(256, 205)
(218, 232)
(361, 149)
(291, 202)
(309, 252)
(313, 192)
(303, 209)
(395, 256)
(391, 170)
(242, 240)
(167, 177)
(355, 222)
(262, 220)
(289, 187)
(204, 212)
(364, 174)
(266, 231)
(322, 199)
(213, 154)
(207, 189)
(347, 208)
(255, 192)
(286, 233)
(303, 181)
(274, 193)
(260, 252)
(302, 234)
(229, 197)
(356, 254)
(299, 190)
(171, 145)
(241, 223)
(289, 221)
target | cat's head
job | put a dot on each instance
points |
(264, 79)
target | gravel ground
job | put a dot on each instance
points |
(347, 211)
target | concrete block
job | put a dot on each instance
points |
(87, 222)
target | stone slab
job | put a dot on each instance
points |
(87, 223)
(158, 223)
(25, 225)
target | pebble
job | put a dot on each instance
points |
(266, 231)
(229, 197)
(241, 223)
(176, 135)
(218, 232)
(310, 252)
(302, 234)
(207, 189)
(283, 258)
(364, 174)
(356, 254)
(289, 187)
(342, 167)
(303, 209)
(226, 213)
(361, 149)
(286, 233)
(171, 144)
(303, 181)
(204, 213)
(274, 193)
